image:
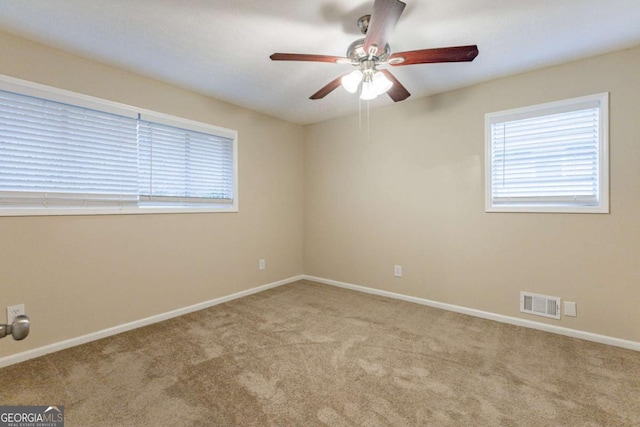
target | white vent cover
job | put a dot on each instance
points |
(540, 305)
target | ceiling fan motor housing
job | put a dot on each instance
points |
(357, 53)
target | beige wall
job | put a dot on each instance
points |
(413, 194)
(82, 274)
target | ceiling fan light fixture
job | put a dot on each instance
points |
(374, 85)
(368, 91)
(351, 81)
(381, 83)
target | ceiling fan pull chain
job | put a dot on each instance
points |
(368, 123)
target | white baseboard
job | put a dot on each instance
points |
(574, 333)
(41, 351)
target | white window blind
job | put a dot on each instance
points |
(55, 154)
(63, 153)
(184, 166)
(550, 157)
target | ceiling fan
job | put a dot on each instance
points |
(368, 53)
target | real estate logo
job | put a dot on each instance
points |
(31, 416)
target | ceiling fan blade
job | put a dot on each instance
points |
(397, 91)
(430, 56)
(305, 57)
(383, 19)
(328, 88)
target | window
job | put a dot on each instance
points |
(183, 166)
(64, 153)
(549, 158)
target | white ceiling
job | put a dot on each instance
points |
(221, 48)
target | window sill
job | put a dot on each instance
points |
(548, 209)
(114, 211)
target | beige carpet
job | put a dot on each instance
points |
(307, 354)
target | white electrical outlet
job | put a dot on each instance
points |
(570, 309)
(397, 270)
(14, 311)
(262, 264)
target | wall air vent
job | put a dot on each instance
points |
(540, 305)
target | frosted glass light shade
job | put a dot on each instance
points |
(351, 81)
(381, 83)
(368, 91)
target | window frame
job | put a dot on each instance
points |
(28, 88)
(541, 110)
